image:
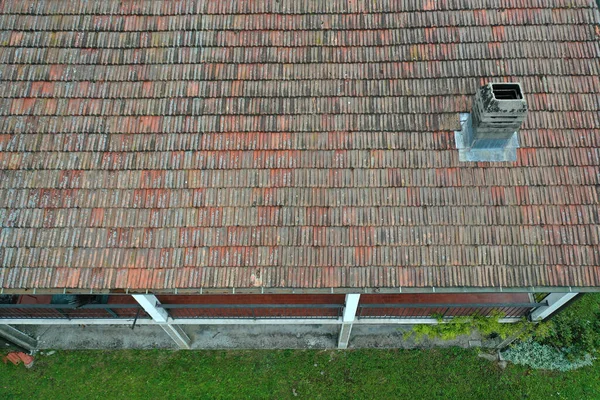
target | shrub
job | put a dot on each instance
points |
(447, 331)
(541, 356)
(488, 326)
(575, 330)
(568, 341)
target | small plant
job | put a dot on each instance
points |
(486, 325)
(541, 356)
(444, 330)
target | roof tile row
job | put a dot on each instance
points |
(303, 55)
(493, 69)
(178, 7)
(323, 167)
(247, 141)
(292, 22)
(320, 236)
(301, 256)
(306, 277)
(281, 38)
(540, 84)
(270, 106)
(265, 123)
(300, 216)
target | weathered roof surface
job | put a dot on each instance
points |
(293, 143)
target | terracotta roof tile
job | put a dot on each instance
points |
(298, 144)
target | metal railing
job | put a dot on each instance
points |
(69, 311)
(423, 311)
(264, 311)
(254, 311)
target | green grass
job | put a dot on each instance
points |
(358, 374)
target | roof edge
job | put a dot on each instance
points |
(262, 290)
(374, 279)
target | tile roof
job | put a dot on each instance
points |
(293, 144)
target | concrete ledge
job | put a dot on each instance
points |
(190, 321)
(416, 321)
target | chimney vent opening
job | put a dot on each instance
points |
(506, 91)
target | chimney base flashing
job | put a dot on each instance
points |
(466, 153)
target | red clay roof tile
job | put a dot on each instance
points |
(296, 144)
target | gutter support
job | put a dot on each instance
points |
(348, 319)
(555, 302)
(150, 304)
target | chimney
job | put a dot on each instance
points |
(490, 132)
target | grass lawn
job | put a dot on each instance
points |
(356, 374)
